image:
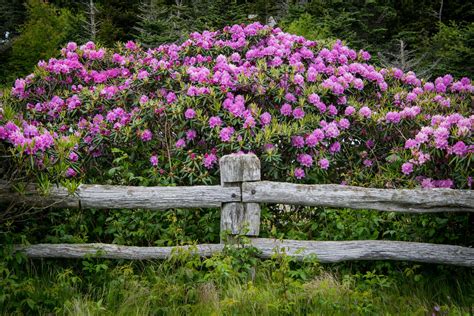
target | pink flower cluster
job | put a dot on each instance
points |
(245, 88)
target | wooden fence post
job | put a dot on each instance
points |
(239, 218)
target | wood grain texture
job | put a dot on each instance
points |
(110, 251)
(337, 251)
(239, 218)
(239, 168)
(339, 196)
(129, 197)
(325, 251)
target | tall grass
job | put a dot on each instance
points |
(236, 283)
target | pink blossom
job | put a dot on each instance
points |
(459, 148)
(297, 141)
(299, 173)
(265, 118)
(209, 160)
(305, 160)
(335, 148)
(180, 143)
(73, 156)
(365, 112)
(286, 109)
(226, 134)
(298, 113)
(154, 160)
(191, 134)
(407, 168)
(146, 135)
(349, 111)
(189, 114)
(70, 173)
(323, 163)
(215, 121)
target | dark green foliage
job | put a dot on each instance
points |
(451, 49)
(45, 29)
(166, 22)
(116, 19)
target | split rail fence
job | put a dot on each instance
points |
(239, 196)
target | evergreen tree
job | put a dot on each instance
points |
(162, 22)
(45, 30)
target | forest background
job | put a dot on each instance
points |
(431, 38)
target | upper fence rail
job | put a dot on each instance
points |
(326, 195)
(239, 196)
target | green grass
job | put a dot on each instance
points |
(234, 283)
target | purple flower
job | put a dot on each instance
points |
(305, 160)
(286, 109)
(180, 143)
(70, 173)
(209, 160)
(313, 98)
(265, 118)
(143, 74)
(459, 148)
(73, 156)
(143, 99)
(323, 163)
(393, 117)
(154, 160)
(411, 143)
(298, 113)
(349, 111)
(299, 173)
(131, 45)
(191, 134)
(146, 135)
(215, 121)
(297, 141)
(336, 147)
(249, 122)
(365, 112)
(189, 114)
(331, 130)
(344, 123)
(367, 162)
(226, 134)
(407, 168)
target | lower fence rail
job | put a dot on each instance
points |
(324, 251)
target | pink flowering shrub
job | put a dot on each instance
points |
(165, 115)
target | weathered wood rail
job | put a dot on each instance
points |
(239, 196)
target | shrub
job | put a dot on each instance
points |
(165, 115)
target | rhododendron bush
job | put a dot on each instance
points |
(166, 115)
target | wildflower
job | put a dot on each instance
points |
(265, 118)
(298, 113)
(297, 141)
(191, 134)
(286, 109)
(189, 114)
(70, 173)
(299, 173)
(209, 160)
(180, 143)
(305, 160)
(146, 135)
(323, 163)
(215, 121)
(226, 133)
(73, 156)
(365, 112)
(154, 160)
(407, 168)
